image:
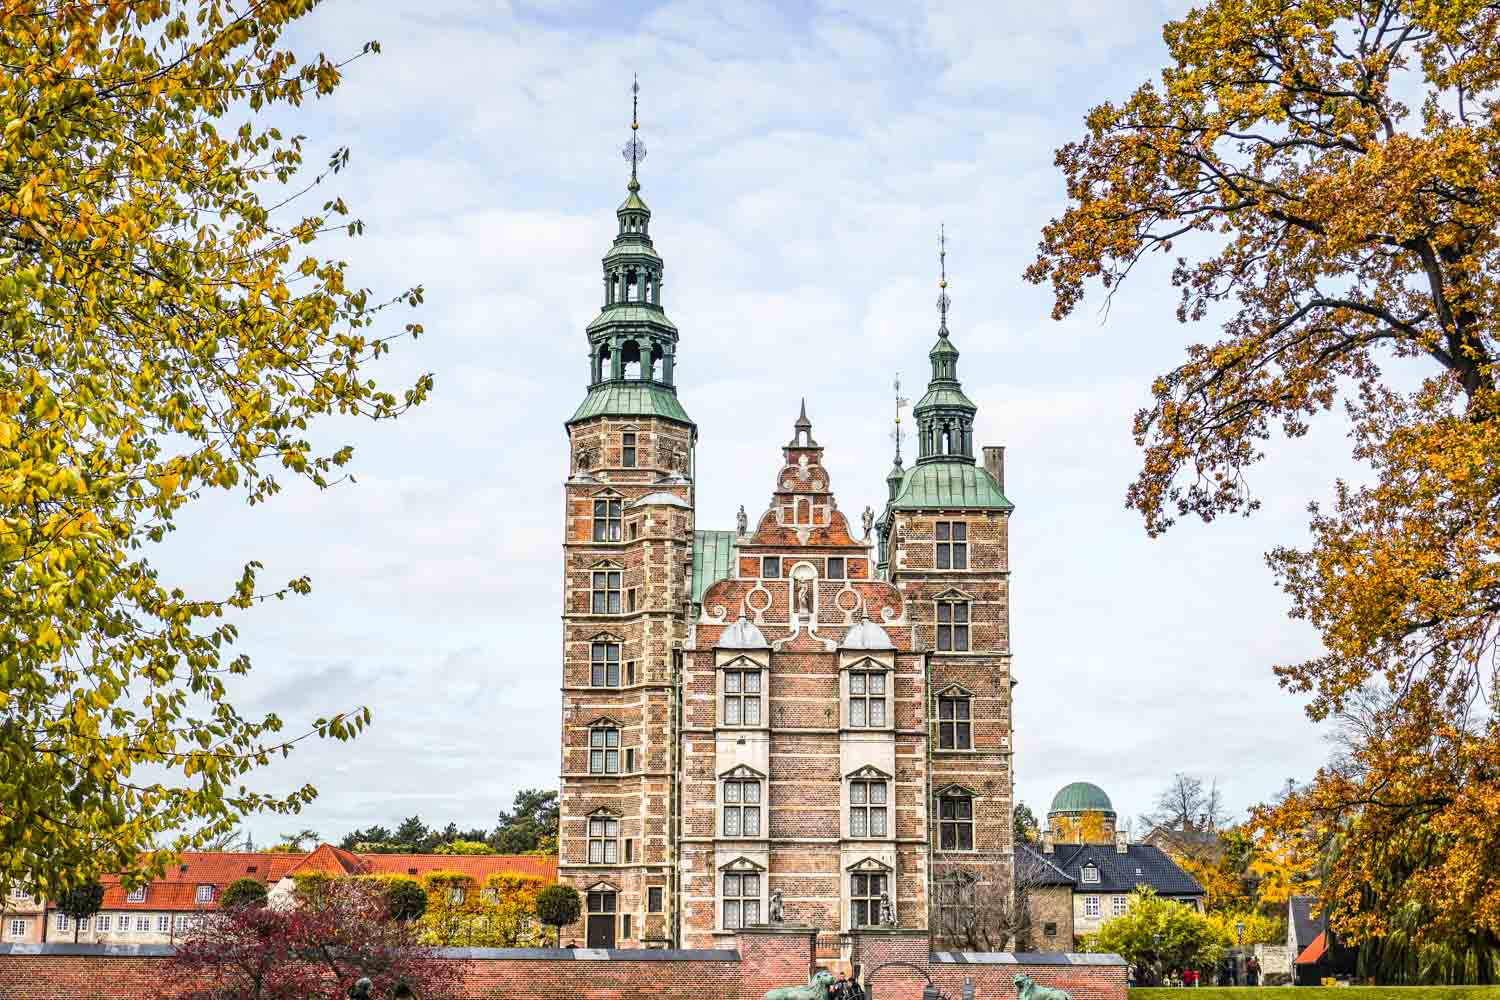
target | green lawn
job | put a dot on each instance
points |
(1319, 993)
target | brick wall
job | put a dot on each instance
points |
(762, 961)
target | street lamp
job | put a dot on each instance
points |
(1239, 932)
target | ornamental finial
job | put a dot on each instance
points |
(942, 299)
(635, 150)
(901, 404)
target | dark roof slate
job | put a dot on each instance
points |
(1036, 870)
(1142, 864)
(1305, 926)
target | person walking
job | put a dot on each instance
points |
(1252, 971)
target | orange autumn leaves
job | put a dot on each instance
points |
(1325, 177)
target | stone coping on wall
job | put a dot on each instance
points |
(494, 954)
(1025, 958)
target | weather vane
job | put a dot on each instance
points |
(942, 299)
(635, 150)
(901, 404)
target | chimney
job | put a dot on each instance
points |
(994, 464)
(1122, 842)
(1048, 844)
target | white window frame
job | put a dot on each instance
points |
(600, 748)
(62, 922)
(18, 927)
(862, 804)
(1120, 906)
(738, 810)
(744, 905)
(1089, 874)
(737, 702)
(143, 923)
(163, 923)
(1090, 906)
(103, 923)
(203, 894)
(179, 923)
(862, 693)
(948, 634)
(603, 839)
(137, 895)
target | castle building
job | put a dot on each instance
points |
(792, 719)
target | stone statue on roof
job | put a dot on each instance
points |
(743, 520)
(868, 517)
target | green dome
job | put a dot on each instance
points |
(1081, 796)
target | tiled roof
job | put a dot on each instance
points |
(948, 485)
(1142, 864)
(177, 889)
(329, 860)
(476, 866)
(1314, 950)
(630, 399)
(713, 558)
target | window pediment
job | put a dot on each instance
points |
(605, 564)
(869, 865)
(953, 594)
(605, 637)
(948, 791)
(603, 886)
(955, 691)
(605, 811)
(741, 865)
(608, 493)
(604, 722)
(742, 662)
(867, 663)
(867, 772)
(742, 771)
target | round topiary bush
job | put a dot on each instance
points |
(558, 906)
(243, 892)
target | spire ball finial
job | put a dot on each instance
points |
(942, 300)
(634, 150)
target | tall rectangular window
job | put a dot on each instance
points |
(1090, 906)
(606, 589)
(163, 923)
(653, 899)
(867, 699)
(741, 899)
(606, 520)
(865, 892)
(954, 727)
(953, 626)
(867, 809)
(62, 921)
(835, 568)
(17, 927)
(952, 545)
(956, 823)
(742, 807)
(742, 697)
(604, 664)
(1121, 904)
(957, 909)
(604, 751)
(627, 450)
(604, 840)
(770, 567)
(103, 922)
(142, 924)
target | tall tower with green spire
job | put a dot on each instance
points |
(627, 547)
(944, 543)
(632, 344)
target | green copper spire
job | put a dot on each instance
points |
(632, 344)
(945, 416)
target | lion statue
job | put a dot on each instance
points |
(818, 990)
(1028, 990)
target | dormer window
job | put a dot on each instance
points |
(1090, 873)
(136, 895)
(205, 894)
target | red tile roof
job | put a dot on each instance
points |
(1314, 950)
(476, 866)
(177, 889)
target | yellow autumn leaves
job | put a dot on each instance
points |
(161, 341)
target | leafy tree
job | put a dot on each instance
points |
(464, 847)
(1159, 936)
(365, 841)
(264, 953)
(1325, 174)
(557, 906)
(1024, 824)
(1260, 928)
(297, 843)
(501, 913)
(168, 331)
(81, 902)
(1187, 805)
(413, 836)
(244, 891)
(530, 827)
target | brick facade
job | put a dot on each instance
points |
(759, 961)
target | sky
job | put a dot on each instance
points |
(800, 161)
